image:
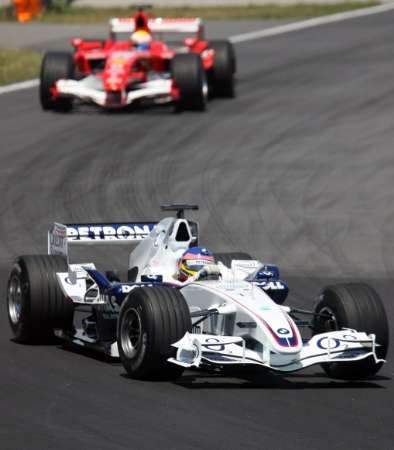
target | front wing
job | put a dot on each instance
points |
(199, 350)
(90, 90)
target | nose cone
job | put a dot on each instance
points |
(283, 334)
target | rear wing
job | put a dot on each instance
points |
(159, 25)
(60, 236)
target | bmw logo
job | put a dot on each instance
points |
(267, 273)
(282, 331)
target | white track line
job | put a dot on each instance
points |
(274, 31)
(339, 17)
(18, 86)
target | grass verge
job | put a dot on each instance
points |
(18, 65)
(93, 15)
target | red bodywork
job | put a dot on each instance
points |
(120, 64)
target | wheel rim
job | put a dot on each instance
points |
(205, 88)
(131, 333)
(330, 323)
(15, 300)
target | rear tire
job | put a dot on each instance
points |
(36, 304)
(190, 78)
(221, 76)
(55, 66)
(226, 258)
(151, 319)
(356, 306)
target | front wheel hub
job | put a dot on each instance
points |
(15, 300)
(131, 333)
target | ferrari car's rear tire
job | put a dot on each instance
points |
(55, 66)
(151, 319)
(221, 76)
(226, 258)
(356, 306)
(36, 304)
(190, 79)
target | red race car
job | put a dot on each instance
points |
(142, 61)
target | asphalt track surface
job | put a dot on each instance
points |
(48, 36)
(297, 170)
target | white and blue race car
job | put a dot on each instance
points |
(230, 314)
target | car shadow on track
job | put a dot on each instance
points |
(88, 353)
(258, 379)
(264, 380)
(145, 110)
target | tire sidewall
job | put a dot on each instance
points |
(49, 75)
(191, 80)
(222, 72)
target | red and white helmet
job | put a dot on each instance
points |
(141, 39)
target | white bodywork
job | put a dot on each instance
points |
(242, 324)
(158, 25)
(251, 329)
(90, 89)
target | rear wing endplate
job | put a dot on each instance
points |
(60, 236)
(159, 25)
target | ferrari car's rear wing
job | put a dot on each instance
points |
(60, 236)
(159, 25)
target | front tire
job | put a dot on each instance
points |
(356, 306)
(55, 66)
(36, 304)
(151, 319)
(190, 79)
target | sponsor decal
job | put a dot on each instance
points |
(244, 264)
(198, 262)
(283, 331)
(125, 289)
(152, 278)
(267, 273)
(109, 232)
(272, 285)
(58, 239)
(328, 343)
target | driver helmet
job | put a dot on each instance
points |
(193, 260)
(141, 39)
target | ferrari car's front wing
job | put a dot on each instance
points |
(90, 90)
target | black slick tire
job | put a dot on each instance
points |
(356, 306)
(55, 66)
(221, 76)
(151, 319)
(35, 302)
(190, 79)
